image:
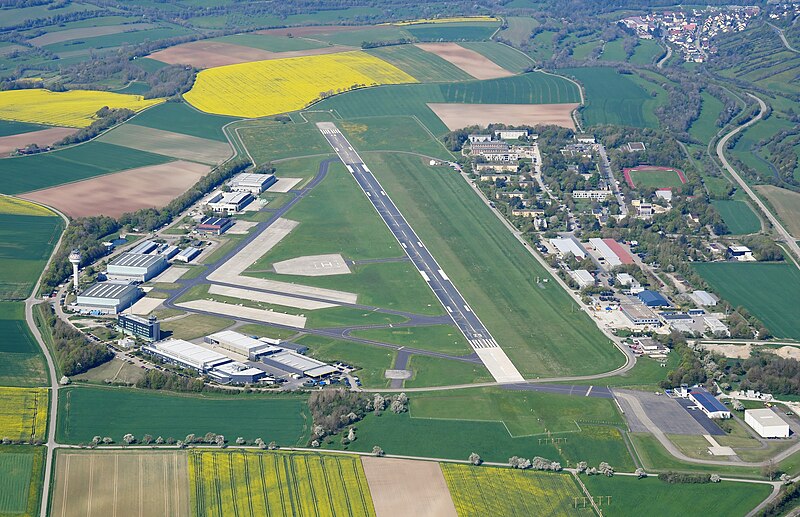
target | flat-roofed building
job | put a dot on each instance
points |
(595, 195)
(740, 253)
(236, 373)
(186, 355)
(510, 134)
(767, 423)
(170, 251)
(241, 344)
(582, 277)
(704, 298)
(214, 225)
(715, 326)
(188, 254)
(709, 404)
(566, 245)
(639, 314)
(293, 362)
(144, 247)
(626, 279)
(107, 297)
(255, 184)
(136, 267)
(491, 147)
(228, 202)
(145, 328)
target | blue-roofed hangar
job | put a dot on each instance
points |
(653, 299)
(709, 404)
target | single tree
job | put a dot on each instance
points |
(475, 459)
(377, 451)
(240, 441)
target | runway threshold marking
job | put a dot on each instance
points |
(444, 277)
(589, 390)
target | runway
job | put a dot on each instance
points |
(490, 353)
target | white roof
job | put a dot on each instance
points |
(237, 368)
(109, 290)
(247, 179)
(605, 251)
(195, 355)
(625, 278)
(581, 275)
(240, 342)
(569, 245)
(766, 417)
(296, 361)
(135, 260)
(705, 298)
(739, 249)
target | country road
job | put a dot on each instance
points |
(785, 236)
(783, 38)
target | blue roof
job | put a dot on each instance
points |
(653, 299)
(708, 401)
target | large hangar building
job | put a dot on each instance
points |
(107, 297)
(136, 267)
(767, 423)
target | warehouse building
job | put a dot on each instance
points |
(107, 298)
(186, 355)
(214, 225)
(255, 184)
(293, 362)
(704, 298)
(145, 328)
(228, 202)
(583, 278)
(639, 314)
(169, 252)
(144, 248)
(709, 404)
(188, 254)
(653, 299)
(236, 373)
(566, 245)
(740, 253)
(767, 423)
(243, 345)
(136, 267)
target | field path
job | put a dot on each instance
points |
(783, 38)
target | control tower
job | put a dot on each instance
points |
(75, 260)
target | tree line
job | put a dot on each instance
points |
(74, 352)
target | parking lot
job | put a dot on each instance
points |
(668, 414)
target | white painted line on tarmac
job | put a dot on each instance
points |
(466, 307)
(425, 276)
(369, 194)
(444, 277)
(350, 169)
(448, 308)
(403, 244)
(589, 390)
(420, 244)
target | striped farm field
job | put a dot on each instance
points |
(266, 88)
(21, 471)
(278, 484)
(503, 491)
(74, 108)
(23, 413)
(452, 19)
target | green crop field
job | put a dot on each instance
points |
(12, 17)
(614, 51)
(646, 52)
(611, 98)
(21, 469)
(269, 42)
(267, 141)
(646, 178)
(426, 67)
(771, 292)
(505, 491)
(39, 171)
(87, 412)
(438, 338)
(705, 127)
(530, 88)
(117, 40)
(182, 118)
(10, 127)
(631, 497)
(277, 483)
(17, 339)
(372, 361)
(738, 216)
(495, 273)
(453, 31)
(507, 57)
(355, 38)
(519, 29)
(26, 242)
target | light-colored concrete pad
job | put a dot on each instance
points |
(406, 487)
(313, 265)
(397, 374)
(499, 365)
(144, 306)
(171, 274)
(284, 184)
(241, 227)
(236, 311)
(277, 299)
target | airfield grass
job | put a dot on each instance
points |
(269, 42)
(631, 497)
(267, 140)
(436, 371)
(506, 491)
(495, 273)
(305, 168)
(656, 179)
(425, 67)
(350, 317)
(453, 31)
(26, 242)
(645, 375)
(85, 412)
(372, 361)
(22, 472)
(612, 98)
(11, 127)
(225, 483)
(738, 216)
(26, 173)
(404, 134)
(770, 292)
(194, 326)
(179, 117)
(502, 55)
(705, 127)
(437, 338)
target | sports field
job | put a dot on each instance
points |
(771, 292)
(267, 88)
(504, 491)
(21, 471)
(631, 497)
(26, 242)
(74, 108)
(87, 412)
(465, 237)
(23, 413)
(120, 483)
(738, 216)
(612, 98)
(654, 177)
(277, 484)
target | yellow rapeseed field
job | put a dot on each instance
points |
(23, 413)
(14, 206)
(264, 88)
(74, 108)
(454, 19)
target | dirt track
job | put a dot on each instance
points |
(471, 62)
(43, 138)
(407, 487)
(145, 187)
(208, 54)
(456, 116)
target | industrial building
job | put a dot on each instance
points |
(566, 245)
(236, 373)
(582, 277)
(709, 404)
(767, 423)
(704, 298)
(144, 247)
(169, 252)
(639, 314)
(293, 362)
(510, 134)
(145, 328)
(186, 355)
(243, 345)
(740, 253)
(188, 254)
(214, 225)
(596, 195)
(228, 202)
(625, 279)
(136, 267)
(255, 184)
(653, 299)
(107, 297)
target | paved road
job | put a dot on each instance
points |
(785, 236)
(666, 56)
(605, 165)
(460, 312)
(783, 38)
